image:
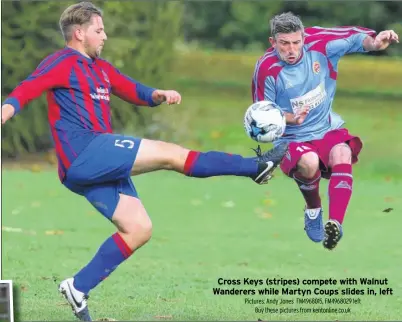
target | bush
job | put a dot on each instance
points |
(141, 44)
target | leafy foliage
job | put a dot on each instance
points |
(141, 44)
(245, 24)
(142, 37)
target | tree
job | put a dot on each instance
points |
(141, 43)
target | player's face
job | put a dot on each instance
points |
(289, 46)
(95, 37)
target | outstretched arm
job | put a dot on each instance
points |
(45, 77)
(134, 92)
(347, 40)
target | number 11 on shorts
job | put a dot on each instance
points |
(302, 148)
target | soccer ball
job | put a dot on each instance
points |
(264, 122)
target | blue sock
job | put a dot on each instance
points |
(209, 164)
(110, 255)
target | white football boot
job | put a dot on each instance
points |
(76, 299)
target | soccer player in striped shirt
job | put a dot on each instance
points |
(299, 74)
(97, 164)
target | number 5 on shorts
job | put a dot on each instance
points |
(120, 143)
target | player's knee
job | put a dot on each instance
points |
(142, 231)
(164, 154)
(175, 156)
(132, 220)
(308, 165)
(139, 233)
(340, 154)
(169, 156)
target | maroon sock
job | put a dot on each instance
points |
(310, 188)
(340, 191)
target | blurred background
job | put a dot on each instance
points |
(233, 228)
(204, 49)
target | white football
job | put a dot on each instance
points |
(264, 121)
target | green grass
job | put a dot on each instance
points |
(356, 72)
(203, 230)
(212, 228)
(216, 92)
(215, 121)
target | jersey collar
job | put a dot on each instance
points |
(88, 59)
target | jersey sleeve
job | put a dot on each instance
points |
(129, 89)
(347, 45)
(337, 41)
(263, 87)
(45, 77)
(269, 89)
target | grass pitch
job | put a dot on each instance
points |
(206, 229)
(203, 230)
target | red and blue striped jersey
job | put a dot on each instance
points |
(78, 95)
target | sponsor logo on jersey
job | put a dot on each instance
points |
(101, 94)
(312, 99)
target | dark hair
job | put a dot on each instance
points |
(285, 23)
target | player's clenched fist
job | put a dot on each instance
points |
(384, 39)
(7, 112)
(168, 96)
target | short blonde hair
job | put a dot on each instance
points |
(77, 14)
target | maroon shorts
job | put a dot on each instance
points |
(322, 147)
